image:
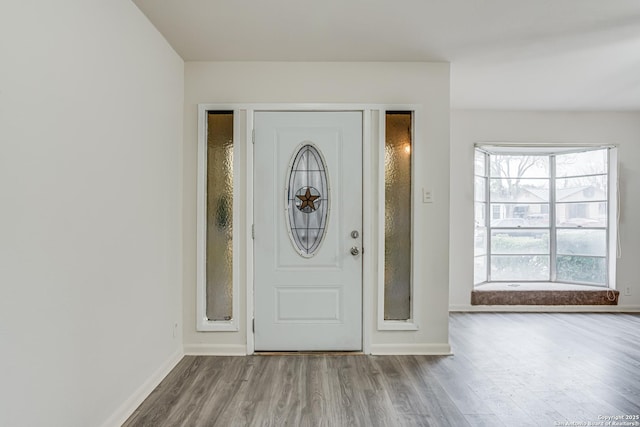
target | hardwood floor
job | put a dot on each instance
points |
(509, 369)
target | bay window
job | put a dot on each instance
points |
(545, 214)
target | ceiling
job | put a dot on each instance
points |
(504, 54)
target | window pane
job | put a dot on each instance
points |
(520, 241)
(479, 190)
(220, 215)
(479, 214)
(585, 188)
(480, 270)
(537, 216)
(397, 251)
(515, 166)
(519, 197)
(496, 212)
(479, 163)
(533, 267)
(582, 242)
(519, 190)
(586, 163)
(480, 247)
(581, 214)
(509, 215)
(581, 269)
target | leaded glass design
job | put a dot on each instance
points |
(307, 199)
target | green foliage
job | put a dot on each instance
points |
(520, 267)
(581, 269)
(520, 244)
(569, 268)
(583, 242)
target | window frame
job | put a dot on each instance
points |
(410, 324)
(203, 323)
(550, 151)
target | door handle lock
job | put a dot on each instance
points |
(355, 251)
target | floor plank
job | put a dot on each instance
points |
(525, 369)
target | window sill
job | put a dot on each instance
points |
(397, 325)
(542, 294)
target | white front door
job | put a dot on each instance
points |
(308, 219)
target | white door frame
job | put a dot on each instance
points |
(372, 220)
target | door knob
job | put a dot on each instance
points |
(355, 251)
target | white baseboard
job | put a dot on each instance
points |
(215, 350)
(547, 308)
(131, 404)
(442, 349)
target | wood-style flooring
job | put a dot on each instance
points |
(508, 369)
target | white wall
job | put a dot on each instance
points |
(471, 126)
(90, 209)
(400, 83)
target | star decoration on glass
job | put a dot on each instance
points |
(307, 200)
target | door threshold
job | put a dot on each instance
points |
(309, 353)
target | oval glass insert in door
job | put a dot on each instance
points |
(307, 199)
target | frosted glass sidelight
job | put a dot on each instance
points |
(220, 215)
(397, 224)
(307, 200)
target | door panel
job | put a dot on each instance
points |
(307, 301)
